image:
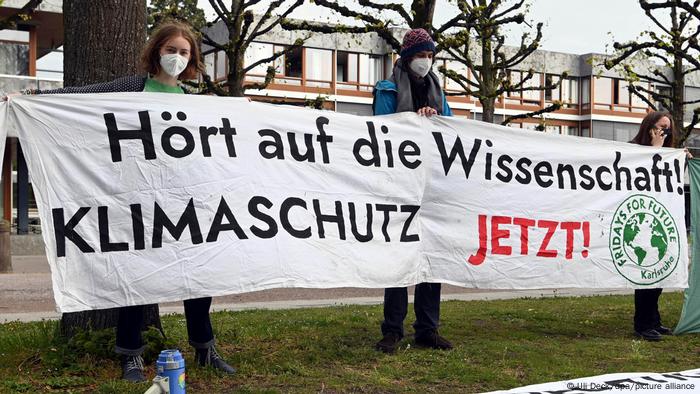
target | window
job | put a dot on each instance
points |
(625, 100)
(289, 66)
(585, 132)
(585, 91)
(513, 97)
(257, 51)
(663, 90)
(459, 68)
(371, 71)
(566, 92)
(569, 92)
(569, 130)
(209, 61)
(532, 96)
(552, 129)
(527, 97)
(346, 68)
(621, 94)
(639, 105)
(215, 64)
(220, 65)
(554, 94)
(358, 71)
(319, 67)
(603, 92)
(514, 78)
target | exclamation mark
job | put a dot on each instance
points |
(677, 165)
(586, 238)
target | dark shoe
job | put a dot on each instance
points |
(208, 357)
(649, 335)
(132, 369)
(389, 343)
(664, 330)
(433, 340)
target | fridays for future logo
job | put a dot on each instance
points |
(644, 240)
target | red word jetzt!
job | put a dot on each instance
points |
(501, 227)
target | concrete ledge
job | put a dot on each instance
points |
(296, 304)
(27, 245)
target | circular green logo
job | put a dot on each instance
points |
(644, 241)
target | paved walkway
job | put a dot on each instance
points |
(27, 295)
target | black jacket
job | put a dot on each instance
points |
(132, 83)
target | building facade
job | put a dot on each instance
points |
(343, 68)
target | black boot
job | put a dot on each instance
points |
(389, 343)
(433, 340)
(649, 335)
(132, 369)
(209, 357)
(664, 330)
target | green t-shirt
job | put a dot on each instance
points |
(156, 87)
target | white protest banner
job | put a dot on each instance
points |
(638, 382)
(158, 197)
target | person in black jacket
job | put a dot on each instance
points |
(171, 54)
(656, 130)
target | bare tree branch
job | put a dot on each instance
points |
(396, 7)
(258, 32)
(211, 86)
(677, 49)
(516, 6)
(636, 91)
(554, 107)
(221, 11)
(269, 76)
(274, 56)
(243, 28)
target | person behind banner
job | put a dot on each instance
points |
(412, 87)
(656, 130)
(170, 55)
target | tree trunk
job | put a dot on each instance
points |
(103, 41)
(235, 77)
(677, 106)
(678, 93)
(488, 105)
(488, 76)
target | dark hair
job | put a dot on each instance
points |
(150, 55)
(643, 137)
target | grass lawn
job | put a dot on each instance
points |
(498, 345)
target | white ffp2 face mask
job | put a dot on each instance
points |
(421, 66)
(173, 64)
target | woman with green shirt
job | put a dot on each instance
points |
(171, 54)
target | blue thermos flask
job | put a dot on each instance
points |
(171, 365)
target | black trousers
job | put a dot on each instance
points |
(646, 309)
(426, 305)
(199, 331)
